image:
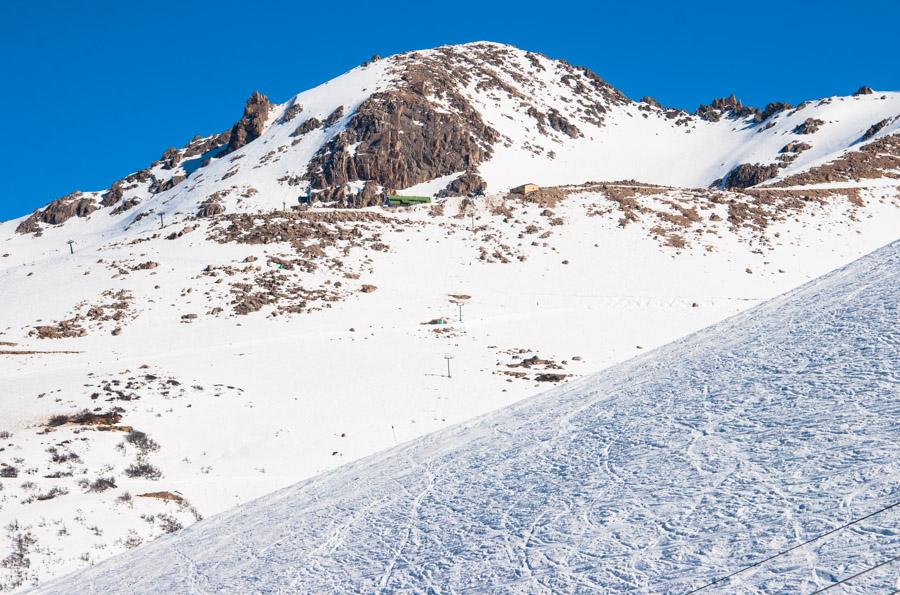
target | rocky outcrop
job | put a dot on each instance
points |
(292, 112)
(400, 139)
(795, 146)
(771, 109)
(464, 185)
(746, 175)
(559, 123)
(200, 145)
(128, 203)
(425, 127)
(307, 126)
(809, 126)
(864, 90)
(171, 158)
(725, 106)
(59, 211)
(112, 196)
(650, 101)
(877, 159)
(157, 185)
(251, 124)
(211, 206)
(875, 129)
(333, 117)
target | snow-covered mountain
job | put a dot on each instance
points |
(205, 340)
(486, 116)
(662, 474)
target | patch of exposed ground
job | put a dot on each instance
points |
(524, 365)
(112, 311)
(680, 217)
(313, 241)
(877, 159)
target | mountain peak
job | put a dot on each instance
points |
(479, 113)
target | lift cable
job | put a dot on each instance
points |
(790, 549)
(858, 574)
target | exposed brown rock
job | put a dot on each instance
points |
(251, 124)
(748, 174)
(157, 185)
(58, 212)
(877, 159)
(334, 116)
(126, 204)
(722, 106)
(171, 158)
(876, 128)
(200, 145)
(809, 126)
(650, 101)
(401, 140)
(558, 122)
(211, 206)
(168, 496)
(112, 196)
(795, 146)
(864, 90)
(306, 126)
(771, 109)
(292, 112)
(61, 330)
(145, 266)
(464, 185)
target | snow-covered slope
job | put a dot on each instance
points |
(661, 474)
(202, 343)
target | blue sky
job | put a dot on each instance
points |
(91, 91)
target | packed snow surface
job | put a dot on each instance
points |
(660, 474)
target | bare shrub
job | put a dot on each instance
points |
(53, 493)
(101, 484)
(142, 442)
(17, 562)
(63, 457)
(143, 469)
(133, 540)
(168, 523)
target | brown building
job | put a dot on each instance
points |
(525, 189)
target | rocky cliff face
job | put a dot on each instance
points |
(399, 139)
(59, 211)
(251, 124)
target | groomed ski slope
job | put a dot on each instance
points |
(657, 475)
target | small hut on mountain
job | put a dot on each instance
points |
(525, 189)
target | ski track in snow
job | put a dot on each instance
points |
(658, 475)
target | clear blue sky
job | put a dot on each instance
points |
(93, 90)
